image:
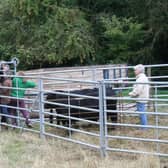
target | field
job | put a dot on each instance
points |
(25, 150)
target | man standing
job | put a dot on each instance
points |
(141, 91)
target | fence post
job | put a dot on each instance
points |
(104, 86)
(94, 74)
(105, 73)
(41, 107)
(157, 118)
(149, 74)
(114, 74)
(102, 122)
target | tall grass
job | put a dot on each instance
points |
(26, 150)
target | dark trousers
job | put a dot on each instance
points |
(13, 111)
(4, 110)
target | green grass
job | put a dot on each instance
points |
(14, 151)
(163, 93)
(125, 92)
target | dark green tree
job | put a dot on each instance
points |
(41, 33)
(125, 40)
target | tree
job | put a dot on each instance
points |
(125, 40)
(158, 22)
(44, 33)
(41, 36)
(106, 6)
(154, 15)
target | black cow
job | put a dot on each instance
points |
(80, 102)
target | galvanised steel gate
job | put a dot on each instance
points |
(99, 131)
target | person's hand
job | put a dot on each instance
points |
(24, 80)
(130, 94)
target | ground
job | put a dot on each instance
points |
(25, 150)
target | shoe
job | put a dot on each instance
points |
(4, 127)
(29, 125)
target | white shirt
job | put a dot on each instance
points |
(141, 90)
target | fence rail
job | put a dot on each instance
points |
(90, 116)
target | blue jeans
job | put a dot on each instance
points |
(143, 117)
(4, 110)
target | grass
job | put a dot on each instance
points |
(25, 150)
(28, 150)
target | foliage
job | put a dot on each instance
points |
(55, 39)
(63, 38)
(105, 6)
(45, 33)
(158, 22)
(125, 40)
(155, 17)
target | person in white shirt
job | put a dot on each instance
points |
(141, 91)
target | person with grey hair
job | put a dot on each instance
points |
(141, 91)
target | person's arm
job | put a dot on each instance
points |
(136, 90)
(7, 83)
(29, 84)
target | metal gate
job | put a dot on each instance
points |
(67, 117)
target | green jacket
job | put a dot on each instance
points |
(17, 82)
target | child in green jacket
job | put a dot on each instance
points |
(22, 84)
